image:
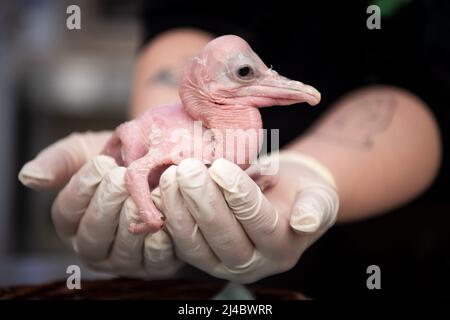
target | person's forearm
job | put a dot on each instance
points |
(159, 66)
(382, 146)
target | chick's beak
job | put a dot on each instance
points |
(274, 89)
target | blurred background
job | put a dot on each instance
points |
(54, 81)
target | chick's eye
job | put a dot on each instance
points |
(245, 72)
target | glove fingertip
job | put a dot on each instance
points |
(226, 174)
(305, 222)
(33, 176)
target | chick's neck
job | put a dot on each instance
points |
(220, 116)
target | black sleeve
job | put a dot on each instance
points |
(436, 81)
(216, 17)
(412, 50)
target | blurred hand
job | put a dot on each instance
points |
(94, 209)
(222, 223)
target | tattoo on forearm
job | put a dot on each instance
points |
(357, 125)
(165, 77)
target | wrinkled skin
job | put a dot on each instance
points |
(220, 91)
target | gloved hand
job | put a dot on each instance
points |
(221, 222)
(93, 210)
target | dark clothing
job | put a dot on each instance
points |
(327, 44)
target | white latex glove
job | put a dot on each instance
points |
(221, 222)
(94, 209)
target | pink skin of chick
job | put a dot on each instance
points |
(223, 89)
